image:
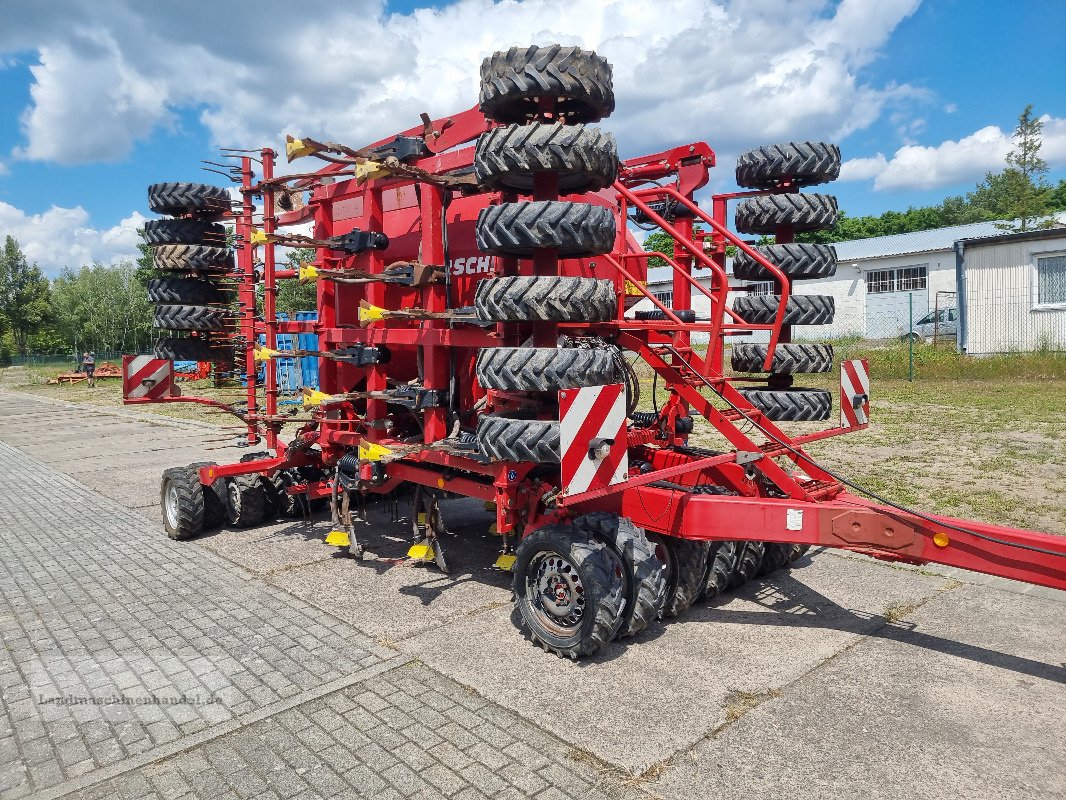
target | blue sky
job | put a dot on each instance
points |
(922, 96)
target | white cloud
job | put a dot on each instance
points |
(954, 161)
(736, 72)
(62, 237)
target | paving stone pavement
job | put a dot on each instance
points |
(889, 682)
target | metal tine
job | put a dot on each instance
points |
(225, 175)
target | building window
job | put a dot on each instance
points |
(880, 280)
(666, 298)
(905, 279)
(1051, 279)
(911, 279)
(763, 288)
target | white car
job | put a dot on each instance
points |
(941, 323)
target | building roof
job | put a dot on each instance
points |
(1043, 233)
(916, 242)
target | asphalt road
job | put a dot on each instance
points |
(332, 677)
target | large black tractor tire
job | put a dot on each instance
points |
(572, 229)
(545, 369)
(568, 590)
(775, 556)
(685, 561)
(791, 405)
(798, 261)
(185, 349)
(214, 499)
(245, 501)
(746, 566)
(545, 299)
(192, 258)
(645, 574)
(802, 309)
(803, 163)
(720, 562)
(181, 498)
(190, 318)
(186, 291)
(188, 198)
(279, 503)
(804, 212)
(507, 158)
(578, 80)
(184, 231)
(509, 439)
(797, 551)
(788, 358)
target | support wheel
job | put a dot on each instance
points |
(804, 212)
(748, 560)
(686, 566)
(791, 405)
(508, 439)
(720, 560)
(578, 80)
(214, 500)
(801, 309)
(800, 261)
(188, 198)
(545, 299)
(184, 231)
(545, 369)
(186, 291)
(182, 499)
(585, 159)
(192, 258)
(775, 556)
(788, 358)
(645, 575)
(174, 317)
(199, 349)
(571, 229)
(568, 590)
(245, 501)
(802, 163)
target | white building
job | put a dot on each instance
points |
(1012, 292)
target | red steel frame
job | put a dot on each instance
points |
(808, 504)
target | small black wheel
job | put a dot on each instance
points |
(508, 439)
(685, 562)
(720, 560)
(545, 369)
(175, 317)
(245, 501)
(797, 551)
(645, 574)
(199, 349)
(746, 566)
(279, 503)
(214, 500)
(791, 405)
(188, 198)
(579, 81)
(775, 556)
(585, 159)
(184, 231)
(788, 358)
(803, 163)
(192, 258)
(801, 309)
(522, 298)
(181, 497)
(519, 229)
(799, 261)
(804, 212)
(186, 291)
(568, 590)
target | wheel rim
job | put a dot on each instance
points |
(556, 594)
(170, 506)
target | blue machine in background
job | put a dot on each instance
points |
(294, 373)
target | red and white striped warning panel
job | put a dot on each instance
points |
(592, 437)
(854, 393)
(147, 378)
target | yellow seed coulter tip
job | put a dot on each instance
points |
(338, 539)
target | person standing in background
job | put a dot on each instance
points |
(88, 363)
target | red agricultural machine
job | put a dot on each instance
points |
(476, 280)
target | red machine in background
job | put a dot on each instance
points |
(476, 279)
